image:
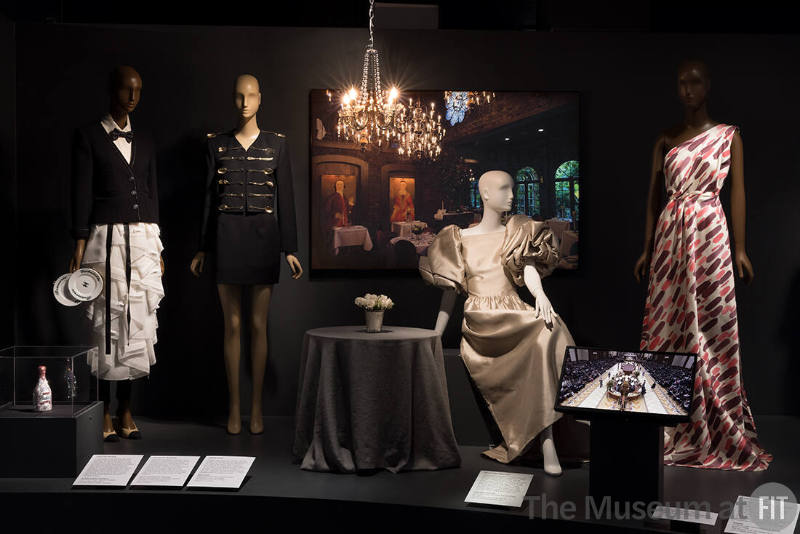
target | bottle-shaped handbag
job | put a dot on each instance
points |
(42, 394)
(72, 384)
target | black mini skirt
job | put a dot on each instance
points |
(248, 249)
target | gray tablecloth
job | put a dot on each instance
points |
(373, 401)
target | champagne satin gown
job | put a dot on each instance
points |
(511, 354)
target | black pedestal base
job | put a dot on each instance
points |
(52, 444)
(627, 460)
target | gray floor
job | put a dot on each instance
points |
(275, 476)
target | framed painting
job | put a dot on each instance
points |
(377, 207)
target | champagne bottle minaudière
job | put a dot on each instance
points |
(42, 395)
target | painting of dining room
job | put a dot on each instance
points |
(384, 181)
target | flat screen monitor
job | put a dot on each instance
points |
(655, 386)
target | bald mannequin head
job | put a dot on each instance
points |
(497, 190)
(124, 89)
(694, 83)
(697, 65)
(247, 95)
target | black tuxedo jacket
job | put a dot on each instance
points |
(106, 189)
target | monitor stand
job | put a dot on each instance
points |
(627, 460)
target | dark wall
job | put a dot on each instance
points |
(627, 96)
(8, 181)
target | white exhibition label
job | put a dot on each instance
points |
(757, 515)
(221, 472)
(165, 471)
(108, 470)
(688, 515)
(499, 488)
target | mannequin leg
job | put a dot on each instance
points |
(258, 346)
(105, 396)
(230, 296)
(124, 404)
(551, 463)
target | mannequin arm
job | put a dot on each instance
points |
(82, 173)
(294, 265)
(653, 204)
(206, 222)
(743, 265)
(77, 255)
(287, 221)
(445, 310)
(534, 284)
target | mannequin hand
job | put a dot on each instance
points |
(77, 256)
(198, 262)
(161, 259)
(744, 266)
(642, 264)
(294, 265)
(543, 307)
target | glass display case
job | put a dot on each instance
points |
(72, 387)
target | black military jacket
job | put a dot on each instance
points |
(256, 180)
(106, 189)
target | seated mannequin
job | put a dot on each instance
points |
(512, 351)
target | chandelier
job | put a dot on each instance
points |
(459, 102)
(420, 133)
(368, 116)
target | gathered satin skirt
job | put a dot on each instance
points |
(132, 346)
(515, 360)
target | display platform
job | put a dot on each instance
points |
(278, 491)
(46, 444)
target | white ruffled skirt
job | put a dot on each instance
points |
(132, 350)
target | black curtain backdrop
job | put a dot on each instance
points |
(628, 94)
(8, 183)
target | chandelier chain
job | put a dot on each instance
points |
(371, 22)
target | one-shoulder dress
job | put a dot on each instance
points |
(691, 306)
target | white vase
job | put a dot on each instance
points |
(374, 320)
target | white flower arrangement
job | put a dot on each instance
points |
(372, 302)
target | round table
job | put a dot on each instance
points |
(373, 401)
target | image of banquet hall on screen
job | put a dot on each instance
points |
(642, 382)
(380, 195)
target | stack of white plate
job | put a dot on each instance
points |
(83, 285)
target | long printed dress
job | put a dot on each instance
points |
(691, 306)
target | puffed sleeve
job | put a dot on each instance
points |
(528, 242)
(443, 266)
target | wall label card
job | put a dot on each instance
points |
(762, 515)
(689, 515)
(221, 472)
(165, 471)
(499, 488)
(108, 470)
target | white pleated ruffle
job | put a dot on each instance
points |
(132, 352)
